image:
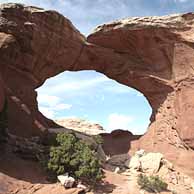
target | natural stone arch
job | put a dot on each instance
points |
(153, 55)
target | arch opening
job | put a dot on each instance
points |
(93, 97)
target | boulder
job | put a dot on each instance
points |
(154, 164)
(134, 164)
(66, 180)
(117, 161)
(140, 153)
(145, 162)
(151, 162)
(83, 187)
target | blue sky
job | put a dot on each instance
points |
(94, 97)
(91, 95)
(86, 14)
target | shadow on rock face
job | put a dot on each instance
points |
(118, 142)
(17, 168)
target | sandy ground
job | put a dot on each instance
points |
(18, 176)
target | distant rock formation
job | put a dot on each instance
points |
(81, 125)
(118, 142)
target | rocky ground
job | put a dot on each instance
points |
(21, 174)
(24, 176)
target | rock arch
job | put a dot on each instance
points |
(152, 54)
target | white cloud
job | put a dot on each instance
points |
(66, 117)
(180, 1)
(47, 112)
(48, 100)
(125, 122)
(119, 121)
(68, 84)
(79, 84)
(52, 111)
(138, 130)
(120, 89)
(50, 105)
(62, 106)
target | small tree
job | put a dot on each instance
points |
(151, 184)
(74, 156)
(98, 139)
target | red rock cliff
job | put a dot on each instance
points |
(155, 55)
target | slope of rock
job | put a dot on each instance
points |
(2, 108)
(2, 94)
(81, 125)
(34, 45)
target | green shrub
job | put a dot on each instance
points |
(74, 156)
(98, 139)
(152, 183)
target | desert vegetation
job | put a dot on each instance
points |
(152, 184)
(73, 156)
(98, 139)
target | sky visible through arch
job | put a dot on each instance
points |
(94, 97)
(91, 95)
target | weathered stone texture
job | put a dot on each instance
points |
(152, 54)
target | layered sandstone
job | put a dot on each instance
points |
(81, 125)
(152, 54)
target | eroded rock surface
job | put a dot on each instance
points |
(2, 94)
(152, 54)
(154, 164)
(81, 125)
(34, 45)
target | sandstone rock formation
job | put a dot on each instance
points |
(81, 125)
(118, 142)
(2, 94)
(2, 109)
(25, 32)
(152, 54)
(148, 163)
(155, 164)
